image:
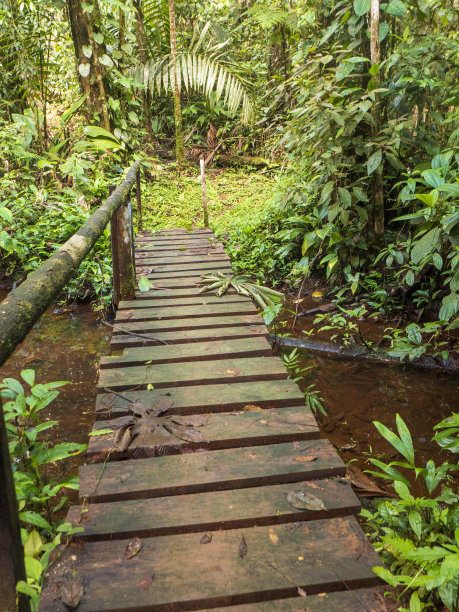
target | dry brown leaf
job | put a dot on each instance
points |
(305, 501)
(145, 583)
(243, 547)
(124, 477)
(301, 592)
(364, 484)
(273, 537)
(71, 591)
(305, 458)
(251, 408)
(133, 548)
(206, 538)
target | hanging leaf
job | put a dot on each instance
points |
(383, 31)
(105, 60)
(449, 307)
(361, 7)
(374, 162)
(98, 37)
(425, 245)
(397, 8)
(84, 70)
(87, 51)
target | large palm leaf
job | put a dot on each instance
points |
(201, 68)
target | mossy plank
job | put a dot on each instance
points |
(228, 430)
(198, 351)
(217, 510)
(144, 327)
(181, 260)
(205, 398)
(358, 600)
(193, 373)
(176, 292)
(217, 470)
(201, 270)
(121, 341)
(183, 312)
(177, 572)
(172, 301)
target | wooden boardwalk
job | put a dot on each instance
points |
(214, 490)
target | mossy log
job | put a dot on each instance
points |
(24, 306)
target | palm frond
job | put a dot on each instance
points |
(202, 73)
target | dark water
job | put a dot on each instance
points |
(64, 345)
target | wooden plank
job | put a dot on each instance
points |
(211, 432)
(179, 282)
(177, 292)
(144, 327)
(201, 266)
(183, 312)
(121, 341)
(156, 252)
(193, 373)
(359, 600)
(216, 510)
(196, 351)
(205, 398)
(184, 259)
(233, 468)
(177, 572)
(181, 275)
(198, 298)
(178, 240)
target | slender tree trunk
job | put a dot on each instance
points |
(142, 44)
(375, 55)
(82, 37)
(179, 144)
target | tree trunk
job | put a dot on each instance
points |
(82, 37)
(375, 55)
(142, 44)
(179, 144)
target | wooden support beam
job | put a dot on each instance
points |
(11, 554)
(123, 253)
(138, 196)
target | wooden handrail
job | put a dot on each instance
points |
(22, 308)
(18, 313)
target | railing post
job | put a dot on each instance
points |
(11, 553)
(123, 253)
(138, 196)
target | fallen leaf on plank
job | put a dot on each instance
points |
(206, 538)
(305, 501)
(71, 591)
(305, 458)
(243, 547)
(133, 548)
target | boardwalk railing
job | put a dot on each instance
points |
(21, 310)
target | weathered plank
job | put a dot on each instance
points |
(121, 341)
(158, 252)
(183, 312)
(199, 265)
(179, 282)
(358, 600)
(234, 468)
(201, 271)
(176, 292)
(181, 260)
(205, 398)
(211, 432)
(213, 511)
(172, 301)
(194, 373)
(197, 351)
(177, 572)
(190, 323)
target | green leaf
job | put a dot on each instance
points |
(33, 568)
(433, 178)
(87, 51)
(28, 376)
(145, 284)
(405, 438)
(33, 544)
(415, 520)
(425, 245)
(361, 7)
(106, 60)
(94, 131)
(374, 161)
(437, 261)
(6, 214)
(385, 575)
(428, 198)
(84, 69)
(409, 278)
(33, 518)
(383, 31)
(449, 307)
(98, 37)
(100, 432)
(396, 8)
(345, 196)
